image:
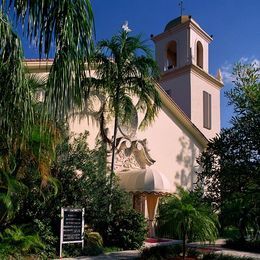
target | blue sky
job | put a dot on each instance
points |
(235, 25)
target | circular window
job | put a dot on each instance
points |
(129, 129)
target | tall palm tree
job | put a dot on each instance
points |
(61, 28)
(189, 217)
(14, 91)
(126, 70)
(25, 155)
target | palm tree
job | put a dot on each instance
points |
(28, 131)
(125, 70)
(14, 91)
(189, 217)
(25, 155)
(63, 28)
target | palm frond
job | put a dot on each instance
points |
(15, 95)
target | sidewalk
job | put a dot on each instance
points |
(130, 254)
(134, 254)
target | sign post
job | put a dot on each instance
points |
(72, 227)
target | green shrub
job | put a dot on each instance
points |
(18, 240)
(93, 238)
(160, 252)
(93, 244)
(128, 230)
(231, 232)
(250, 246)
(47, 236)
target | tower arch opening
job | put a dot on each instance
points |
(172, 55)
(199, 54)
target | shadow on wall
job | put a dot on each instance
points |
(186, 177)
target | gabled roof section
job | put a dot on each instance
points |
(43, 66)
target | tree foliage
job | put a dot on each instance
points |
(231, 162)
(125, 70)
(61, 28)
(15, 94)
(28, 131)
(82, 180)
(25, 155)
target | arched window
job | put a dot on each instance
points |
(172, 55)
(199, 55)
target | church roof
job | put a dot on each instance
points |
(182, 21)
(179, 20)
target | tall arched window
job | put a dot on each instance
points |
(199, 55)
(172, 55)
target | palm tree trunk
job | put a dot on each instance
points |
(183, 242)
(113, 151)
(114, 147)
(183, 246)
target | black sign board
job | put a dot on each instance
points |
(72, 226)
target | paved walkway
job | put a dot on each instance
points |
(134, 254)
(130, 254)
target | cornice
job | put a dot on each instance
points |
(202, 73)
(196, 70)
(38, 66)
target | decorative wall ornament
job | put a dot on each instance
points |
(132, 154)
(219, 76)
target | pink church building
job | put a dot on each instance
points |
(155, 161)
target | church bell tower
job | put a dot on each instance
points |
(182, 55)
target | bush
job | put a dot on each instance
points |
(93, 244)
(47, 236)
(190, 217)
(231, 232)
(128, 230)
(250, 246)
(18, 240)
(160, 252)
(80, 175)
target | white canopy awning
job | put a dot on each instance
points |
(150, 182)
(147, 180)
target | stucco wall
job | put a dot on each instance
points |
(182, 49)
(198, 85)
(194, 38)
(173, 148)
(180, 91)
